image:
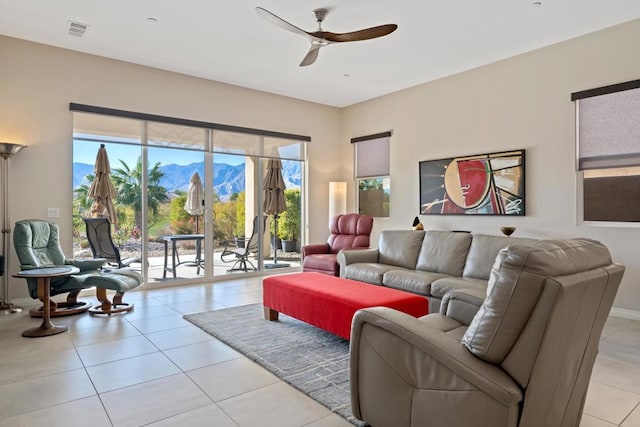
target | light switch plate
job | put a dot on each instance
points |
(53, 212)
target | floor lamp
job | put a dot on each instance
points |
(7, 150)
(337, 199)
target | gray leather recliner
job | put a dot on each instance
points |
(524, 360)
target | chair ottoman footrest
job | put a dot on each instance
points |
(120, 280)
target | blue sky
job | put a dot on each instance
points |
(85, 152)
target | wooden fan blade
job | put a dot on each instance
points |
(311, 56)
(366, 34)
(284, 24)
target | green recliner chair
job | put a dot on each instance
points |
(37, 245)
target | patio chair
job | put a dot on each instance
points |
(240, 255)
(102, 246)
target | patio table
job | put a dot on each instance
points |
(174, 239)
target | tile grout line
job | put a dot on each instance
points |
(629, 414)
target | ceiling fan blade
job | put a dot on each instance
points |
(311, 56)
(284, 24)
(366, 34)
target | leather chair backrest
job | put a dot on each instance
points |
(350, 231)
(516, 283)
(541, 322)
(37, 244)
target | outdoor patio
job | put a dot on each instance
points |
(188, 270)
(186, 260)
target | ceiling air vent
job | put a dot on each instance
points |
(76, 28)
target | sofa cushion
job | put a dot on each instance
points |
(367, 272)
(444, 252)
(483, 252)
(517, 279)
(400, 247)
(417, 282)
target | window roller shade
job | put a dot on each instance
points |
(609, 130)
(372, 158)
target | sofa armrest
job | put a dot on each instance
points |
(353, 256)
(320, 248)
(397, 349)
(462, 304)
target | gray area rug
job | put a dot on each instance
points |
(310, 359)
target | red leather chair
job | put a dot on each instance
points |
(349, 231)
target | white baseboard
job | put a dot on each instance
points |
(21, 302)
(625, 314)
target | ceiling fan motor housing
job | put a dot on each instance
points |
(320, 14)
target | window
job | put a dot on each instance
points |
(608, 152)
(372, 173)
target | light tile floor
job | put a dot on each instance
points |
(151, 367)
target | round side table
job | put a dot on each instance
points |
(44, 276)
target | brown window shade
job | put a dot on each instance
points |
(612, 198)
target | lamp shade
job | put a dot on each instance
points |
(8, 149)
(337, 198)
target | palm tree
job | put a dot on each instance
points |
(128, 184)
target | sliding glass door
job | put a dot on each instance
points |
(121, 241)
(190, 201)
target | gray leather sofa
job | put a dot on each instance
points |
(524, 360)
(429, 263)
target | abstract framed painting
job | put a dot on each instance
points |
(484, 184)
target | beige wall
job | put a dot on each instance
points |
(521, 102)
(37, 82)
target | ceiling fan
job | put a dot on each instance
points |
(320, 38)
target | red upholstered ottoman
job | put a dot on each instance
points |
(330, 302)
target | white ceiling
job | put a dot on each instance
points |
(226, 41)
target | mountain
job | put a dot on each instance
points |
(227, 179)
(79, 171)
(291, 174)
